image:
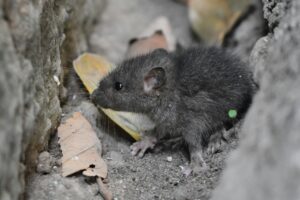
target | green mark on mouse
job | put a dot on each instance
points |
(232, 113)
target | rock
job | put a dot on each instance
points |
(266, 165)
(274, 10)
(45, 163)
(35, 37)
(258, 57)
(57, 187)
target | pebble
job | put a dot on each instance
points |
(169, 158)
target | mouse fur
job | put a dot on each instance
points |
(187, 93)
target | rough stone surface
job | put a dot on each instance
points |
(33, 37)
(258, 57)
(267, 164)
(54, 186)
(45, 163)
(274, 10)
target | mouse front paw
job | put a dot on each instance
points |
(196, 166)
(140, 147)
(216, 143)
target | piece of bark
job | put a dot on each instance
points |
(105, 192)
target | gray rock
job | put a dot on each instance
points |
(58, 187)
(45, 163)
(274, 10)
(34, 36)
(10, 116)
(266, 165)
(258, 57)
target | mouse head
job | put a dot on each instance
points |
(137, 85)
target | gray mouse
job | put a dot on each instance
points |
(188, 93)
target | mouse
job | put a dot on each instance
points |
(195, 93)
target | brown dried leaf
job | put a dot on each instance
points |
(138, 46)
(158, 35)
(213, 19)
(162, 23)
(81, 148)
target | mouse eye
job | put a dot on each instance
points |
(118, 86)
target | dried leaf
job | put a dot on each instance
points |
(212, 19)
(138, 46)
(91, 69)
(157, 35)
(81, 148)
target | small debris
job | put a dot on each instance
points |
(169, 158)
(186, 170)
(74, 97)
(105, 192)
(56, 79)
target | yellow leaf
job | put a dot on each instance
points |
(91, 69)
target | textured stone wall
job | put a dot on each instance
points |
(267, 163)
(37, 38)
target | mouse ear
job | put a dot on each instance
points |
(154, 79)
(132, 40)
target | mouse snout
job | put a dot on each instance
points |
(98, 98)
(94, 96)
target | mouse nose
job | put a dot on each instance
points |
(93, 96)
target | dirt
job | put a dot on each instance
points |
(158, 175)
(154, 177)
